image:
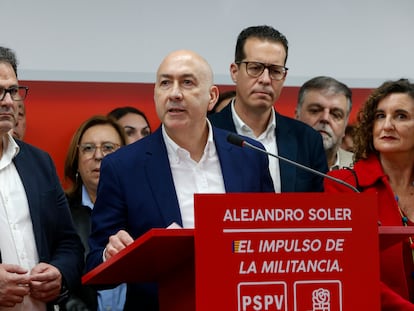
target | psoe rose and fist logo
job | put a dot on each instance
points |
(318, 295)
(308, 296)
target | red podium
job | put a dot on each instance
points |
(234, 261)
(165, 256)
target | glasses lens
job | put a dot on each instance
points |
(20, 93)
(15, 93)
(276, 72)
(87, 148)
(108, 148)
(254, 69)
(90, 149)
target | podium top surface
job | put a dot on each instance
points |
(396, 230)
(390, 235)
(147, 259)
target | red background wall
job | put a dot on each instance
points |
(55, 109)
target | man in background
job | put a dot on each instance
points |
(259, 71)
(134, 122)
(348, 140)
(325, 104)
(41, 256)
(19, 129)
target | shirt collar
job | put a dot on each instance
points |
(10, 150)
(175, 152)
(336, 165)
(244, 129)
(86, 200)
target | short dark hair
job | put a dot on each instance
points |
(119, 112)
(8, 56)
(263, 32)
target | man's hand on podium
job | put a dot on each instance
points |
(117, 243)
(174, 225)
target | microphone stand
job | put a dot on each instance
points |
(238, 141)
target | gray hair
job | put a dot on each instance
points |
(328, 84)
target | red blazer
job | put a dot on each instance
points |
(396, 262)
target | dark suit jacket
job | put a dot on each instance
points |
(83, 295)
(136, 192)
(56, 240)
(295, 141)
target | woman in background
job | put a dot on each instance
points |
(384, 156)
(93, 140)
(134, 122)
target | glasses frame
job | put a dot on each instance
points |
(13, 88)
(265, 66)
(92, 153)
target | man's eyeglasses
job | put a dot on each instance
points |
(16, 92)
(256, 69)
(89, 150)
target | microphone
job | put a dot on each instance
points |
(239, 141)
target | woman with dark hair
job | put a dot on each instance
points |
(94, 139)
(384, 155)
(133, 121)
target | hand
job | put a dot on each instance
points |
(14, 285)
(46, 282)
(117, 242)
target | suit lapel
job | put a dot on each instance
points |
(25, 165)
(230, 163)
(287, 148)
(223, 119)
(160, 179)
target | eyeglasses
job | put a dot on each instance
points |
(16, 92)
(106, 148)
(256, 69)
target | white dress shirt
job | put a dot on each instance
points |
(343, 159)
(17, 242)
(268, 140)
(192, 177)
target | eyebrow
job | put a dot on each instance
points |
(318, 105)
(8, 87)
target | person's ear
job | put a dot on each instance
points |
(234, 71)
(214, 94)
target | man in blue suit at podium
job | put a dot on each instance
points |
(151, 183)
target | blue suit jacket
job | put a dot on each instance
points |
(56, 240)
(136, 193)
(295, 141)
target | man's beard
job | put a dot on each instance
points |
(329, 139)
